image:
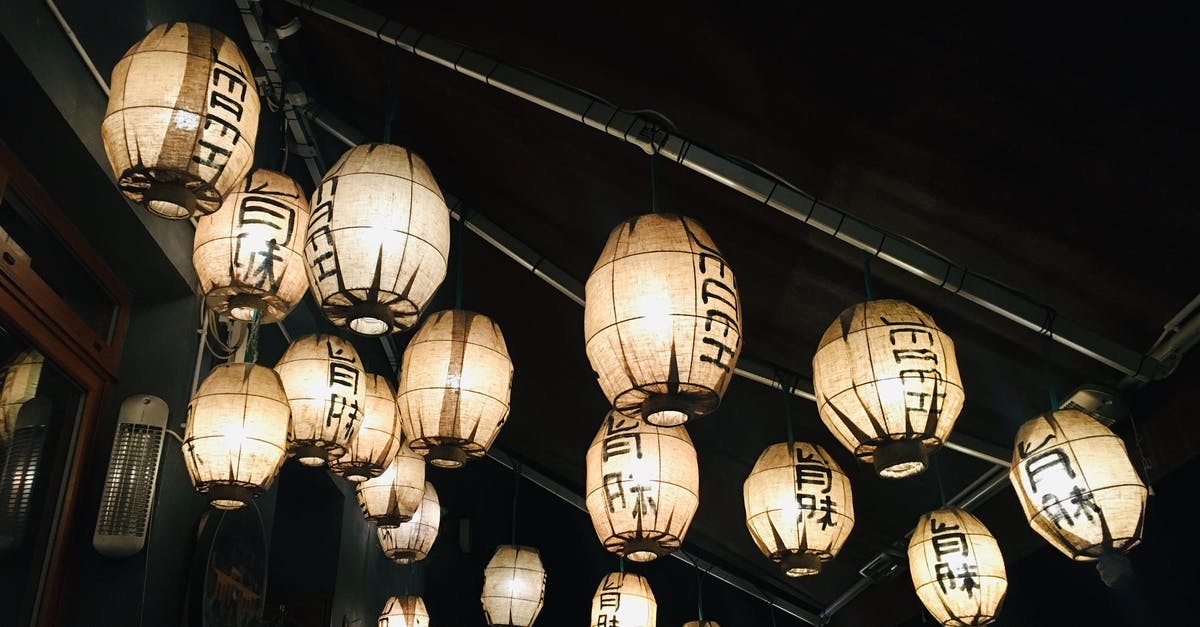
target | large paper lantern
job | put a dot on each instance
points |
(378, 240)
(514, 587)
(662, 320)
(957, 568)
(455, 381)
(393, 497)
(236, 435)
(411, 541)
(1077, 486)
(624, 600)
(249, 254)
(182, 119)
(643, 487)
(378, 438)
(404, 611)
(887, 385)
(325, 385)
(799, 507)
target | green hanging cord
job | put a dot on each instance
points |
(786, 385)
(387, 120)
(866, 263)
(653, 171)
(516, 491)
(252, 339)
(621, 563)
(1047, 341)
(699, 592)
(460, 235)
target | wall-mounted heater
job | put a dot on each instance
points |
(124, 517)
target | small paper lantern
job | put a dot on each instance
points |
(326, 389)
(455, 381)
(411, 541)
(643, 487)
(624, 600)
(236, 435)
(378, 240)
(404, 611)
(957, 568)
(702, 623)
(887, 385)
(514, 587)
(248, 255)
(393, 497)
(1077, 486)
(182, 120)
(662, 320)
(378, 438)
(799, 507)
(21, 377)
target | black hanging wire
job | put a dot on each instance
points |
(460, 234)
(937, 472)
(653, 170)
(787, 383)
(516, 491)
(1047, 342)
(866, 264)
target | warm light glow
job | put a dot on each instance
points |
(455, 381)
(248, 255)
(1077, 486)
(411, 541)
(378, 438)
(624, 600)
(887, 385)
(236, 433)
(514, 587)
(393, 497)
(378, 240)
(643, 487)
(21, 376)
(181, 121)
(957, 569)
(326, 389)
(662, 320)
(404, 611)
(702, 623)
(799, 507)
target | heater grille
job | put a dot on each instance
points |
(125, 507)
(16, 491)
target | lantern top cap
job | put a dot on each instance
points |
(641, 426)
(873, 313)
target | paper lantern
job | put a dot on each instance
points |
(236, 435)
(799, 507)
(404, 611)
(378, 240)
(1077, 486)
(662, 320)
(514, 587)
(887, 385)
(455, 381)
(643, 487)
(378, 439)
(411, 541)
(248, 255)
(182, 120)
(702, 623)
(624, 600)
(21, 376)
(957, 568)
(393, 497)
(325, 386)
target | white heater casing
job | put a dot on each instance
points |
(124, 518)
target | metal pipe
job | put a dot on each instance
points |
(750, 180)
(87, 60)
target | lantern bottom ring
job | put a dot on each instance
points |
(800, 564)
(315, 452)
(447, 456)
(668, 410)
(229, 495)
(897, 459)
(370, 319)
(403, 557)
(170, 200)
(388, 521)
(641, 548)
(356, 472)
(240, 305)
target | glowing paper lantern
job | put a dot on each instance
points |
(182, 119)
(236, 435)
(378, 438)
(702, 623)
(957, 568)
(455, 381)
(21, 377)
(248, 255)
(624, 600)
(643, 487)
(404, 611)
(325, 386)
(662, 320)
(393, 497)
(411, 541)
(1077, 486)
(514, 587)
(799, 507)
(378, 240)
(887, 385)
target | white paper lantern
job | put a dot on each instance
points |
(378, 438)
(393, 497)
(325, 385)
(957, 569)
(411, 541)
(624, 600)
(514, 587)
(404, 611)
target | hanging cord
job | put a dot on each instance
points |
(866, 264)
(283, 161)
(460, 255)
(252, 339)
(1137, 441)
(621, 563)
(391, 115)
(1047, 342)
(937, 472)
(787, 383)
(516, 492)
(699, 592)
(653, 170)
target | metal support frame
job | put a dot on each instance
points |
(751, 181)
